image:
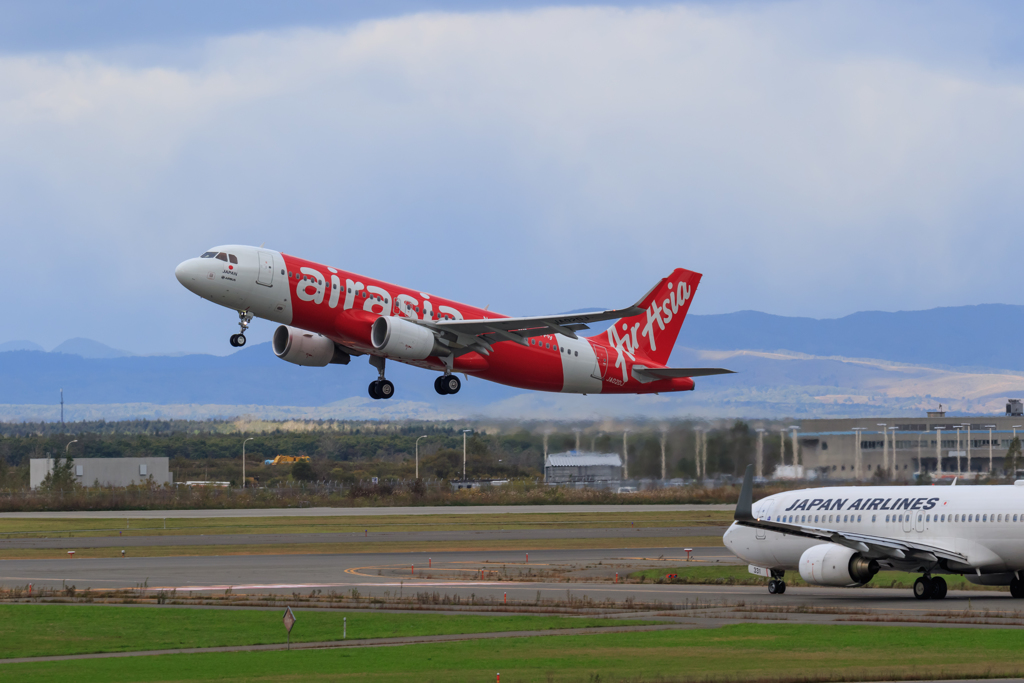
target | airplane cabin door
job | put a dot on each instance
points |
(908, 524)
(764, 514)
(266, 274)
(601, 353)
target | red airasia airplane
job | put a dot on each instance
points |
(328, 315)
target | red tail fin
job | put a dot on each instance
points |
(653, 333)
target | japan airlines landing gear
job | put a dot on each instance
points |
(447, 384)
(382, 388)
(927, 587)
(776, 587)
(244, 318)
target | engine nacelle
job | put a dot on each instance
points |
(399, 338)
(831, 564)
(306, 348)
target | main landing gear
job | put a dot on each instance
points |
(382, 388)
(930, 587)
(244, 318)
(776, 586)
(447, 384)
(1016, 587)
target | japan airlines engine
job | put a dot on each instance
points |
(306, 348)
(831, 564)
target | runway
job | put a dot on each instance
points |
(134, 541)
(363, 511)
(580, 573)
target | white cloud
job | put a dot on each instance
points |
(535, 161)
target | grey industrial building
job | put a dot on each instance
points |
(582, 468)
(107, 471)
(945, 447)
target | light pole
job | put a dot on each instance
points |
(243, 459)
(464, 432)
(796, 451)
(892, 469)
(759, 456)
(664, 436)
(69, 446)
(885, 445)
(418, 455)
(968, 425)
(990, 428)
(958, 449)
(625, 456)
(938, 449)
(856, 452)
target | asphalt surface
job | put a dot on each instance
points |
(448, 537)
(362, 511)
(458, 573)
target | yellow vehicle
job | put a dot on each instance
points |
(289, 459)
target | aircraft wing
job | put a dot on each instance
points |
(876, 547)
(479, 334)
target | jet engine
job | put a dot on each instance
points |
(831, 564)
(399, 338)
(306, 348)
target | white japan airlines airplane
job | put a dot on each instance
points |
(842, 536)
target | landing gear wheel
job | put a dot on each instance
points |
(1017, 588)
(385, 389)
(239, 340)
(923, 588)
(234, 340)
(452, 384)
(773, 586)
(439, 385)
(373, 390)
(938, 588)
(780, 588)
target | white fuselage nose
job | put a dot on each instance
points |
(241, 278)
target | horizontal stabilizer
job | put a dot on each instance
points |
(645, 374)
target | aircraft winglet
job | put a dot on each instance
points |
(744, 506)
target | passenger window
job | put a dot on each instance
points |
(846, 518)
(887, 518)
(222, 257)
(919, 518)
(970, 518)
(943, 518)
(1000, 518)
(858, 518)
(282, 271)
(577, 353)
(927, 518)
(984, 518)
(956, 518)
(815, 519)
(872, 519)
(233, 259)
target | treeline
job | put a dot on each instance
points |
(351, 451)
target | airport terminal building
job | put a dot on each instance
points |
(901, 447)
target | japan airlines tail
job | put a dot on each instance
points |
(328, 315)
(842, 536)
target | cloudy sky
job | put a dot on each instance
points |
(810, 158)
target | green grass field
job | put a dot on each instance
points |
(754, 652)
(32, 528)
(739, 576)
(43, 630)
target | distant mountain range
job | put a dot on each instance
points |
(987, 335)
(964, 357)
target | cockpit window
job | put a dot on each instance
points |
(222, 256)
(209, 254)
(233, 259)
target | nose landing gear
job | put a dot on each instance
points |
(382, 388)
(447, 384)
(244, 318)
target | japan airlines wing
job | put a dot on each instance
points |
(874, 547)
